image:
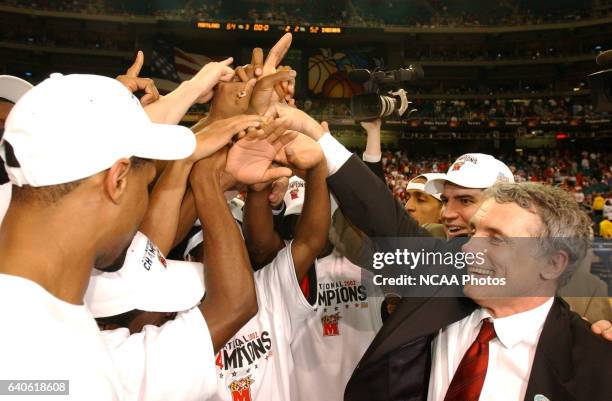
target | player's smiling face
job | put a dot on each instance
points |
(459, 204)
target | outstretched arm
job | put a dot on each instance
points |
(230, 299)
(164, 214)
(363, 198)
(372, 156)
(199, 89)
(312, 230)
(263, 243)
(311, 233)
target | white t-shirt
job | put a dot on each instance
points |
(256, 364)
(172, 362)
(45, 338)
(328, 346)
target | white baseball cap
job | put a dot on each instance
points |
(472, 170)
(71, 127)
(294, 197)
(13, 88)
(147, 282)
(421, 186)
(296, 194)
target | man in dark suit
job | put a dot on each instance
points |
(398, 364)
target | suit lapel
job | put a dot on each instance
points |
(415, 318)
(552, 363)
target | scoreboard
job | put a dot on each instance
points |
(260, 27)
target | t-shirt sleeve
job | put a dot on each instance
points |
(172, 362)
(282, 288)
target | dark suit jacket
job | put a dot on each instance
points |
(570, 364)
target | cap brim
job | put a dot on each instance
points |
(435, 186)
(107, 295)
(180, 289)
(166, 142)
(13, 88)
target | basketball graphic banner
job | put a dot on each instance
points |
(328, 70)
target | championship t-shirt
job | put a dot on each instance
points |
(256, 364)
(329, 344)
(174, 361)
(45, 338)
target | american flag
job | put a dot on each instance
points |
(171, 65)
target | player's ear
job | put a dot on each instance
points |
(116, 178)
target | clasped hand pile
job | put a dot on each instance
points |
(254, 135)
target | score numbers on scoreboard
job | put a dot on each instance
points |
(312, 29)
(257, 27)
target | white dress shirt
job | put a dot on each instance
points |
(335, 153)
(510, 354)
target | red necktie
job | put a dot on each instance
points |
(470, 375)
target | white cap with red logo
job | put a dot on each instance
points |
(70, 127)
(295, 195)
(147, 282)
(472, 170)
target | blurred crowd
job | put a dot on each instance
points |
(585, 174)
(428, 14)
(476, 109)
(253, 257)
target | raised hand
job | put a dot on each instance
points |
(209, 76)
(265, 91)
(134, 83)
(299, 152)
(300, 121)
(281, 87)
(250, 159)
(218, 134)
(231, 98)
(372, 126)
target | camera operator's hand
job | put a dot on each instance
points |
(219, 134)
(372, 126)
(134, 83)
(250, 159)
(373, 151)
(301, 121)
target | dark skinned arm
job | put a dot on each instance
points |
(230, 290)
(312, 230)
(162, 217)
(262, 241)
